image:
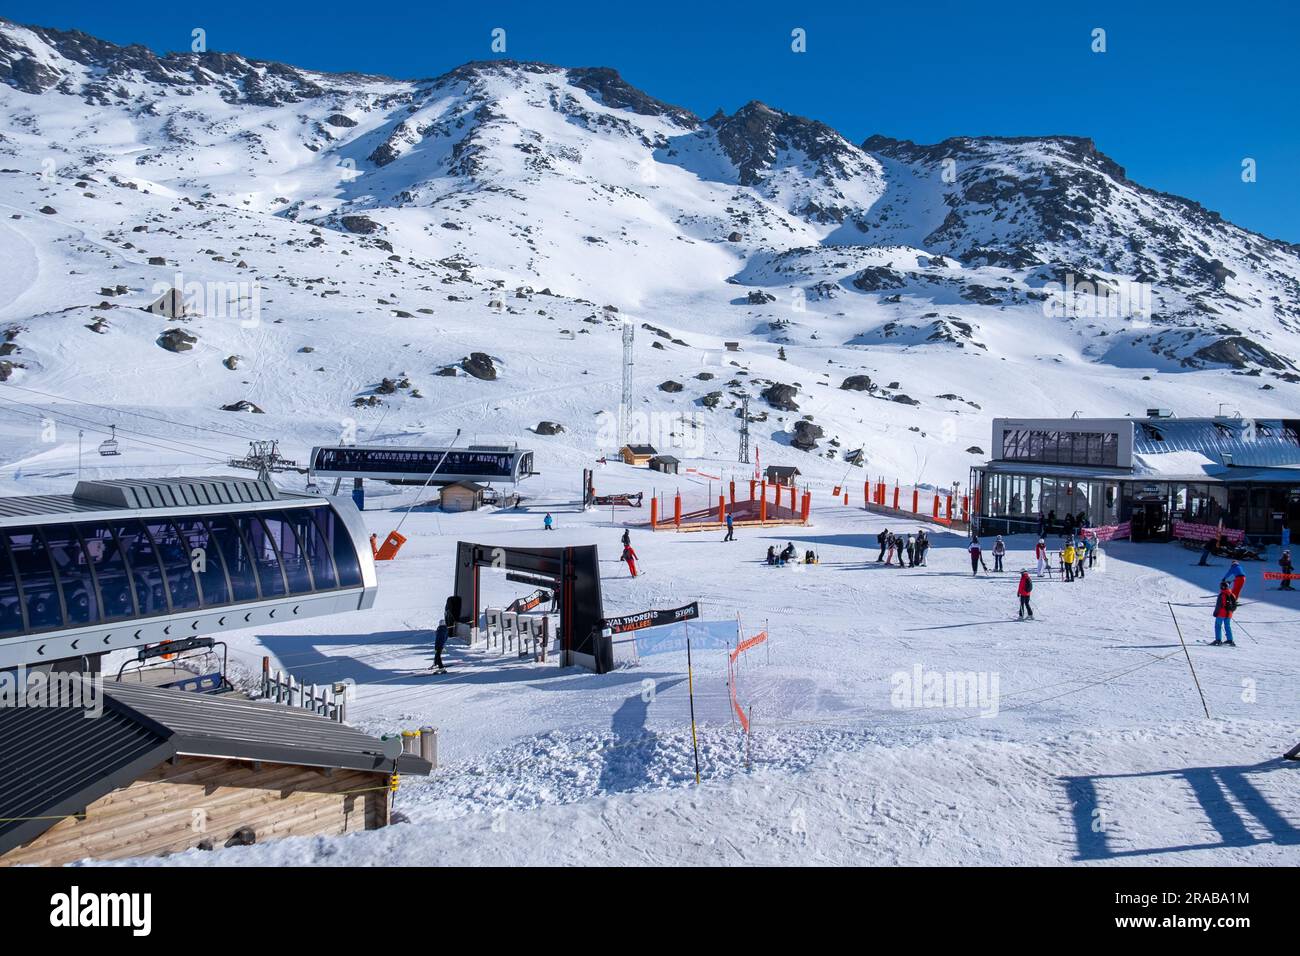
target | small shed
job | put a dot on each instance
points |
(732, 346)
(665, 463)
(782, 474)
(462, 496)
(637, 454)
(203, 771)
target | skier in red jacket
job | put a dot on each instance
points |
(630, 557)
(1223, 608)
(1024, 590)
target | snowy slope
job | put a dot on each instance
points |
(351, 240)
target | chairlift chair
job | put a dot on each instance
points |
(109, 448)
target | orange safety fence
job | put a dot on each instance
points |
(731, 666)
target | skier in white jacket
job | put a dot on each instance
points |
(1040, 552)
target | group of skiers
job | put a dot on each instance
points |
(910, 549)
(788, 555)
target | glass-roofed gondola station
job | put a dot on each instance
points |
(1149, 478)
(124, 563)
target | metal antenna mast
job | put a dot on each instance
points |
(625, 406)
(744, 429)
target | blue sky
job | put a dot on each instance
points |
(1184, 92)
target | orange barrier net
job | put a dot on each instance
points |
(743, 646)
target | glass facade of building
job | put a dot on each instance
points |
(79, 574)
(1011, 503)
(1061, 447)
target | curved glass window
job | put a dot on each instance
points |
(205, 559)
(117, 599)
(314, 547)
(36, 576)
(80, 599)
(182, 586)
(11, 608)
(335, 534)
(146, 572)
(286, 541)
(238, 556)
(265, 559)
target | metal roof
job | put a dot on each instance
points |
(150, 494)
(54, 761)
(1256, 442)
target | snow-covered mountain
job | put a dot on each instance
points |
(521, 210)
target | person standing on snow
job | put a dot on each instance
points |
(976, 559)
(1237, 577)
(1223, 608)
(1287, 567)
(999, 552)
(627, 538)
(1040, 553)
(882, 539)
(1090, 545)
(911, 552)
(731, 530)
(1067, 560)
(547, 522)
(922, 546)
(1023, 591)
(630, 557)
(439, 642)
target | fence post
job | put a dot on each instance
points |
(916, 501)
(654, 513)
(896, 496)
(936, 505)
(866, 493)
(677, 510)
(722, 508)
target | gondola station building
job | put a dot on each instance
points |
(1153, 478)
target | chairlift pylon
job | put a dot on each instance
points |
(109, 447)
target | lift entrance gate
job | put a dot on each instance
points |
(573, 574)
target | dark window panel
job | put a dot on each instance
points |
(238, 556)
(206, 558)
(346, 561)
(283, 536)
(11, 609)
(146, 572)
(182, 586)
(265, 559)
(315, 548)
(75, 579)
(117, 601)
(36, 577)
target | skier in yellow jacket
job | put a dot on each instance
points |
(1067, 561)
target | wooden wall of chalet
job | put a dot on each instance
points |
(176, 806)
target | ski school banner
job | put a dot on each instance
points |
(644, 619)
(1111, 531)
(1206, 532)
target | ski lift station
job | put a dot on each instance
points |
(127, 563)
(484, 464)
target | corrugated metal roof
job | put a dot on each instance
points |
(175, 492)
(54, 761)
(214, 726)
(1246, 441)
(147, 494)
